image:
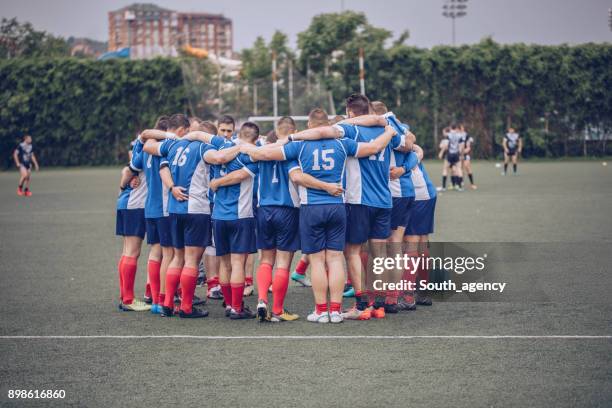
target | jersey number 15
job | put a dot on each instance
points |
(326, 158)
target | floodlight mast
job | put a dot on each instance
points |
(454, 9)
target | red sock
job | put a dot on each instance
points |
(226, 289)
(334, 306)
(153, 268)
(212, 282)
(392, 297)
(321, 307)
(128, 272)
(248, 281)
(279, 289)
(264, 280)
(189, 279)
(237, 294)
(120, 269)
(348, 281)
(148, 289)
(173, 278)
(162, 298)
(301, 267)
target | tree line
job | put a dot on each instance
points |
(85, 112)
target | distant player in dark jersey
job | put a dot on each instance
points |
(443, 148)
(453, 156)
(468, 142)
(513, 145)
(24, 157)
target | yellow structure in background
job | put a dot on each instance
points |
(195, 52)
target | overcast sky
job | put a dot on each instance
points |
(507, 21)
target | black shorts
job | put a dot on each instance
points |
(511, 152)
(452, 159)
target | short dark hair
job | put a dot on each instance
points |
(249, 130)
(453, 126)
(227, 119)
(318, 117)
(178, 120)
(284, 126)
(195, 119)
(162, 123)
(358, 104)
(208, 127)
(379, 108)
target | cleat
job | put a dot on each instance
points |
(166, 311)
(378, 312)
(135, 306)
(228, 309)
(315, 317)
(391, 308)
(283, 317)
(335, 317)
(262, 311)
(423, 300)
(349, 292)
(28, 193)
(301, 279)
(195, 314)
(248, 290)
(406, 303)
(440, 189)
(147, 299)
(245, 313)
(356, 314)
(215, 293)
(198, 301)
(19, 191)
(155, 309)
(459, 188)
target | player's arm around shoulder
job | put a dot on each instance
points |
(376, 145)
(297, 176)
(366, 121)
(318, 133)
(234, 177)
(221, 156)
(263, 153)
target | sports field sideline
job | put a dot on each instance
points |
(58, 258)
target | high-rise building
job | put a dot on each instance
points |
(150, 31)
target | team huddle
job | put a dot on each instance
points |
(341, 193)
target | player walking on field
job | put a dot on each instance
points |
(24, 157)
(513, 146)
(468, 142)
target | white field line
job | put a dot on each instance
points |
(316, 337)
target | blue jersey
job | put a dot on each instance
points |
(367, 178)
(236, 201)
(324, 160)
(423, 187)
(133, 198)
(275, 186)
(403, 187)
(189, 170)
(156, 204)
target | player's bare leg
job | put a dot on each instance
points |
(394, 248)
(352, 253)
(320, 286)
(334, 261)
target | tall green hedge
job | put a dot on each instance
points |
(83, 112)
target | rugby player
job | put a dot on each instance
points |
(468, 141)
(323, 216)
(443, 148)
(186, 162)
(234, 222)
(416, 237)
(513, 146)
(453, 156)
(369, 205)
(130, 224)
(24, 157)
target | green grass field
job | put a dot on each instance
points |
(58, 258)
